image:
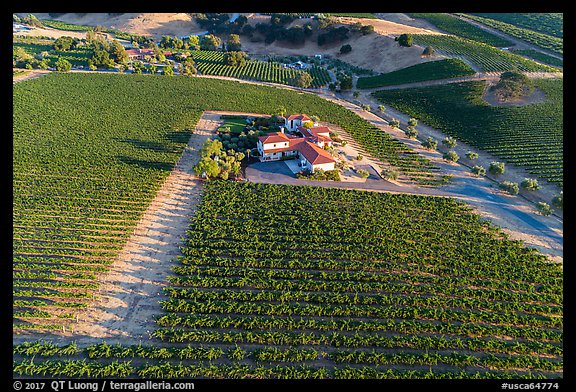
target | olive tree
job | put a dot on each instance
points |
(496, 168)
(530, 184)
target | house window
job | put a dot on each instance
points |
(274, 145)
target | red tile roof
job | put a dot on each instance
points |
(302, 117)
(314, 154)
(276, 137)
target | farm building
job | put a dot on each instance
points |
(308, 148)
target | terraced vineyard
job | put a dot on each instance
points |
(432, 70)
(539, 56)
(349, 284)
(460, 28)
(212, 63)
(487, 58)
(547, 23)
(530, 136)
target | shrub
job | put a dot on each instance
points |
(471, 155)
(394, 123)
(451, 156)
(363, 173)
(236, 354)
(365, 107)
(530, 184)
(479, 170)
(381, 108)
(345, 49)
(430, 144)
(411, 132)
(428, 51)
(412, 122)
(449, 142)
(405, 40)
(359, 157)
(510, 187)
(390, 174)
(558, 201)
(543, 208)
(496, 168)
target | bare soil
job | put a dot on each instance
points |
(493, 99)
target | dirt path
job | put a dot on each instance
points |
(131, 290)
(31, 74)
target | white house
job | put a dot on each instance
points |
(296, 120)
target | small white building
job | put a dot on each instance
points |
(294, 121)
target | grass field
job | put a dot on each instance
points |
(349, 284)
(530, 136)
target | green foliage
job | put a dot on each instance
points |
(210, 42)
(543, 208)
(235, 59)
(449, 142)
(530, 184)
(411, 132)
(430, 143)
(412, 122)
(345, 49)
(530, 136)
(451, 156)
(390, 174)
(320, 175)
(363, 173)
(431, 70)
(394, 123)
(303, 80)
(496, 168)
(487, 58)
(168, 70)
(63, 43)
(479, 170)
(428, 51)
(405, 40)
(541, 29)
(512, 85)
(472, 155)
(510, 187)
(452, 25)
(63, 65)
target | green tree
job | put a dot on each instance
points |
(381, 108)
(412, 122)
(118, 52)
(510, 187)
(428, 51)
(543, 208)
(210, 42)
(233, 44)
(411, 132)
(303, 80)
(449, 141)
(207, 167)
(390, 174)
(194, 42)
(345, 49)
(356, 94)
(235, 59)
(211, 148)
(367, 29)
(63, 65)
(363, 173)
(471, 155)
(394, 123)
(405, 40)
(430, 144)
(479, 170)
(530, 184)
(513, 84)
(138, 67)
(558, 200)
(62, 44)
(451, 156)
(496, 168)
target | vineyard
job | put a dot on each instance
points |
(452, 25)
(530, 136)
(432, 70)
(212, 63)
(88, 160)
(540, 57)
(35, 46)
(547, 23)
(486, 57)
(545, 41)
(350, 284)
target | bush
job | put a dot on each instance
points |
(381, 108)
(359, 157)
(412, 122)
(411, 132)
(451, 156)
(363, 173)
(345, 49)
(449, 142)
(543, 208)
(471, 155)
(479, 170)
(430, 144)
(394, 123)
(530, 184)
(390, 174)
(319, 174)
(405, 40)
(510, 187)
(558, 201)
(365, 107)
(496, 168)
(428, 51)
